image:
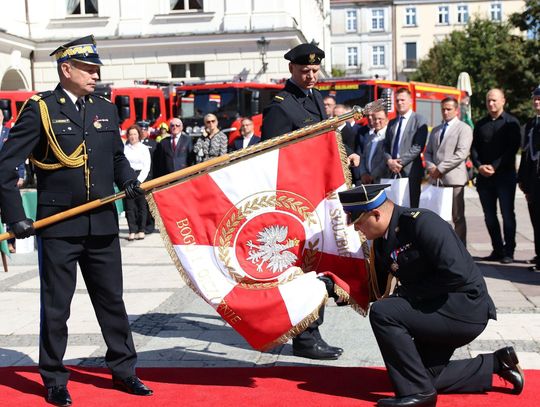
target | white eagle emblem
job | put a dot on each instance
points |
(272, 250)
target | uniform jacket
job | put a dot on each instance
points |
(166, 160)
(290, 110)
(239, 142)
(411, 145)
(529, 169)
(435, 271)
(151, 144)
(449, 156)
(64, 188)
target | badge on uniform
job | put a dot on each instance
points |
(98, 121)
(394, 256)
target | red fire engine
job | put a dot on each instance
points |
(11, 102)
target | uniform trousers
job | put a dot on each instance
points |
(100, 261)
(417, 346)
(311, 335)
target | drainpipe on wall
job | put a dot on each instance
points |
(31, 56)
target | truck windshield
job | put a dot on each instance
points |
(197, 103)
(359, 96)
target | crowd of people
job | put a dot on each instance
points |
(441, 301)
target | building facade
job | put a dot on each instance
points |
(387, 39)
(362, 38)
(421, 24)
(162, 40)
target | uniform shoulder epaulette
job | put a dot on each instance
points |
(412, 214)
(42, 95)
(278, 98)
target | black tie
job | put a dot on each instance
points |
(442, 132)
(80, 106)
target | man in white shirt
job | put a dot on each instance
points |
(248, 137)
(372, 163)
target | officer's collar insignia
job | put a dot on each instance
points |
(311, 58)
(415, 214)
(91, 100)
(62, 100)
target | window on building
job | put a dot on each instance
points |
(187, 70)
(187, 5)
(410, 16)
(444, 15)
(377, 19)
(351, 21)
(352, 57)
(410, 55)
(462, 13)
(82, 7)
(378, 55)
(495, 11)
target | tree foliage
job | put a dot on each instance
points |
(493, 57)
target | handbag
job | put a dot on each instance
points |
(437, 199)
(398, 192)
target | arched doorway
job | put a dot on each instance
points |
(14, 80)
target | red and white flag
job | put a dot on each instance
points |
(251, 237)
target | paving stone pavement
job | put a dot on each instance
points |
(173, 327)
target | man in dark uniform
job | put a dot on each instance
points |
(72, 137)
(440, 304)
(529, 174)
(297, 106)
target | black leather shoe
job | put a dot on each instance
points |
(532, 261)
(131, 385)
(493, 257)
(534, 268)
(416, 400)
(336, 349)
(507, 260)
(510, 369)
(58, 395)
(317, 351)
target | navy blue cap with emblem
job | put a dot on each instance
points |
(536, 92)
(82, 49)
(305, 54)
(361, 199)
(143, 124)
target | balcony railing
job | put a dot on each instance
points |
(410, 64)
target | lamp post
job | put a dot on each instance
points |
(262, 46)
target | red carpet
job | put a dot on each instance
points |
(277, 386)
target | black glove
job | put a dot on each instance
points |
(133, 189)
(23, 228)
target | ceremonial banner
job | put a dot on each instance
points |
(251, 237)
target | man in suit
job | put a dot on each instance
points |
(496, 140)
(372, 162)
(299, 105)
(72, 137)
(529, 174)
(329, 103)
(248, 137)
(440, 304)
(351, 134)
(446, 152)
(175, 152)
(405, 139)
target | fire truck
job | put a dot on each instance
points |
(229, 101)
(135, 104)
(11, 102)
(426, 97)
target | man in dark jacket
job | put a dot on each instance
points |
(440, 304)
(175, 152)
(73, 140)
(529, 174)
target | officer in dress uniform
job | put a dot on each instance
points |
(529, 174)
(300, 105)
(440, 302)
(72, 138)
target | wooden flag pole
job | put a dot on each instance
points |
(289, 138)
